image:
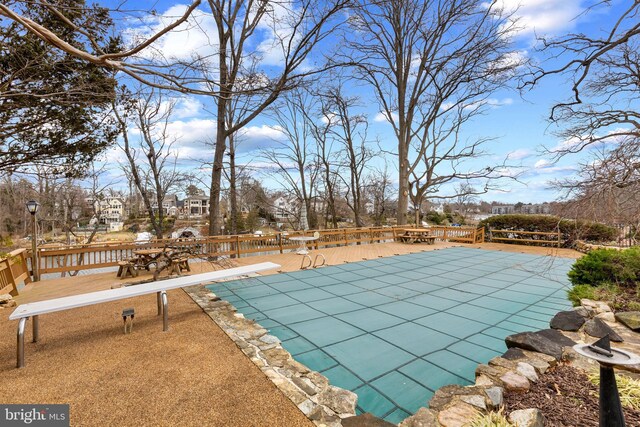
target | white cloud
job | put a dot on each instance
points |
(383, 117)
(191, 38)
(542, 163)
(519, 154)
(544, 17)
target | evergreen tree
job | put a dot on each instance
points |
(54, 107)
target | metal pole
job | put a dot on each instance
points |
(165, 312)
(21, 326)
(610, 407)
(34, 249)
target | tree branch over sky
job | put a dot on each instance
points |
(54, 109)
(432, 64)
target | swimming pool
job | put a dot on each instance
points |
(393, 330)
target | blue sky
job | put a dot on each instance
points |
(517, 122)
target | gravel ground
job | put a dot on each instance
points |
(192, 375)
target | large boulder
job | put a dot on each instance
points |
(630, 319)
(338, 400)
(597, 328)
(567, 321)
(547, 341)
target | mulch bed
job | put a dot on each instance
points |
(566, 397)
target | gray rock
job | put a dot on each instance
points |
(423, 418)
(597, 328)
(485, 381)
(514, 353)
(457, 415)
(540, 365)
(502, 363)
(527, 418)
(449, 393)
(495, 396)
(567, 321)
(338, 400)
(515, 382)
(607, 317)
(528, 371)
(475, 400)
(582, 312)
(269, 339)
(630, 319)
(305, 385)
(547, 341)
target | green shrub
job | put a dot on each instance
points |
(602, 266)
(578, 292)
(571, 230)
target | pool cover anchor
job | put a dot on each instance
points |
(611, 414)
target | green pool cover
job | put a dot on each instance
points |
(393, 330)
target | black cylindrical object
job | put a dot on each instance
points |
(610, 407)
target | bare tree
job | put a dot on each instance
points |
(295, 28)
(603, 110)
(424, 60)
(294, 159)
(349, 130)
(379, 188)
(320, 129)
(151, 159)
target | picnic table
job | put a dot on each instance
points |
(171, 259)
(418, 235)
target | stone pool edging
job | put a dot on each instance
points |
(323, 403)
(450, 406)
(327, 405)
(516, 369)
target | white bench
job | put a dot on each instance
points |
(35, 309)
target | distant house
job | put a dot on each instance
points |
(170, 205)
(502, 209)
(196, 206)
(284, 208)
(110, 209)
(540, 208)
(528, 209)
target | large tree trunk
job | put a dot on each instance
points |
(233, 193)
(403, 185)
(221, 139)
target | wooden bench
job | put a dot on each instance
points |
(127, 268)
(35, 309)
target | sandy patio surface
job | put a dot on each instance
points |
(192, 375)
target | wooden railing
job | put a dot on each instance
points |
(64, 259)
(13, 270)
(553, 238)
(450, 234)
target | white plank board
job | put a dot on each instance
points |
(82, 300)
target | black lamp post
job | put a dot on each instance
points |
(32, 207)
